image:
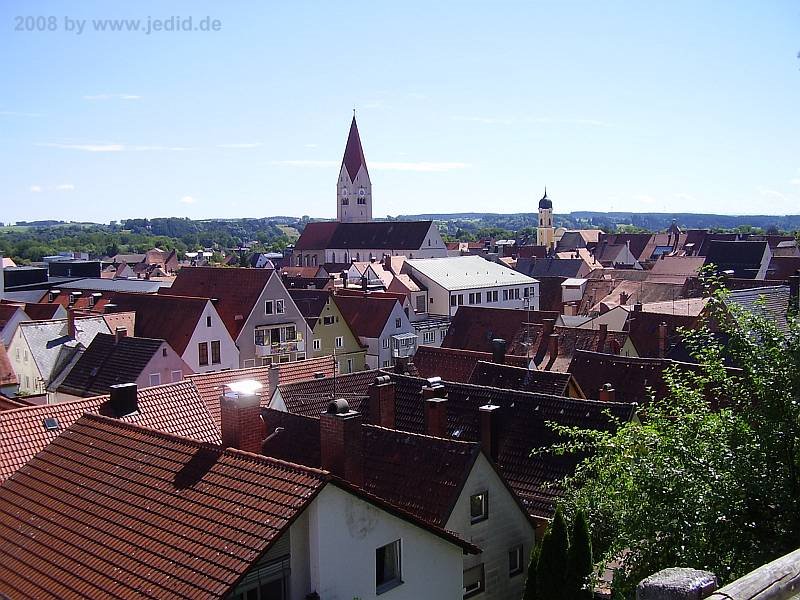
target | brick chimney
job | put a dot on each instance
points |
(341, 449)
(71, 322)
(601, 340)
(548, 325)
(381, 402)
(123, 399)
(119, 333)
(552, 348)
(499, 350)
(240, 416)
(489, 415)
(662, 340)
(436, 417)
(434, 389)
(607, 393)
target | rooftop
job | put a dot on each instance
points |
(467, 272)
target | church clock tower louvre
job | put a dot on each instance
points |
(545, 232)
(354, 189)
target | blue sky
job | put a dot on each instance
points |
(462, 106)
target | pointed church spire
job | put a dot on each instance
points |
(353, 152)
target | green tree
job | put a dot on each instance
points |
(709, 477)
(579, 560)
(530, 581)
(551, 570)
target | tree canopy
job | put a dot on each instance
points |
(709, 477)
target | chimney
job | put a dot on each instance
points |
(499, 351)
(552, 349)
(794, 294)
(607, 393)
(436, 417)
(623, 298)
(123, 399)
(240, 416)
(119, 333)
(637, 307)
(662, 340)
(71, 322)
(601, 341)
(52, 295)
(381, 402)
(434, 389)
(341, 450)
(548, 325)
(489, 415)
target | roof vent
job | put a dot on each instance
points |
(319, 375)
(434, 381)
(338, 407)
(51, 424)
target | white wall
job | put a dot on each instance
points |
(27, 372)
(10, 329)
(345, 532)
(506, 527)
(229, 353)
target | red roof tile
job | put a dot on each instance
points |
(236, 290)
(316, 236)
(174, 408)
(311, 397)
(454, 365)
(162, 316)
(210, 385)
(366, 315)
(178, 517)
(473, 328)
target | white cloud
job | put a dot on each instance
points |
(241, 145)
(61, 187)
(768, 193)
(422, 166)
(795, 181)
(96, 97)
(188, 200)
(111, 147)
(14, 113)
(425, 167)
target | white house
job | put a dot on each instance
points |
(471, 280)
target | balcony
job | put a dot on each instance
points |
(404, 345)
(279, 348)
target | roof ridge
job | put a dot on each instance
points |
(474, 445)
(258, 458)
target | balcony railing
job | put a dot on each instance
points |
(280, 348)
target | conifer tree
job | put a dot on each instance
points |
(551, 572)
(579, 560)
(530, 582)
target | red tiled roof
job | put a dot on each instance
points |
(353, 158)
(42, 311)
(518, 378)
(418, 473)
(236, 290)
(210, 385)
(316, 236)
(473, 328)
(366, 315)
(178, 517)
(311, 397)
(162, 316)
(174, 408)
(783, 267)
(454, 365)
(7, 311)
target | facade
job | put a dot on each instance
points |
(256, 308)
(353, 188)
(191, 326)
(473, 281)
(382, 325)
(330, 332)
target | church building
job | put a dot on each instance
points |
(545, 232)
(354, 189)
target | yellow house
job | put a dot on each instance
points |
(330, 332)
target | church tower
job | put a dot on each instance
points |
(545, 231)
(354, 189)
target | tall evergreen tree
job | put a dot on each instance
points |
(530, 582)
(579, 560)
(551, 572)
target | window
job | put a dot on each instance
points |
(265, 361)
(349, 365)
(215, 353)
(164, 352)
(442, 334)
(525, 292)
(317, 344)
(515, 564)
(516, 293)
(328, 320)
(474, 581)
(249, 362)
(420, 304)
(177, 375)
(208, 321)
(505, 295)
(475, 298)
(362, 200)
(268, 307)
(25, 356)
(345, 201)
(428, 337)
(479, 507)
(155, 378)
(339, 341)
(202, 353)
(398, 322)
(452, 300)
(279, 307)
(491, 296)
(387, 567)
(460, 299)
(385, 344)
(385, 364)
(17, 353)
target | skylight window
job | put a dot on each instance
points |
(51, 424)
